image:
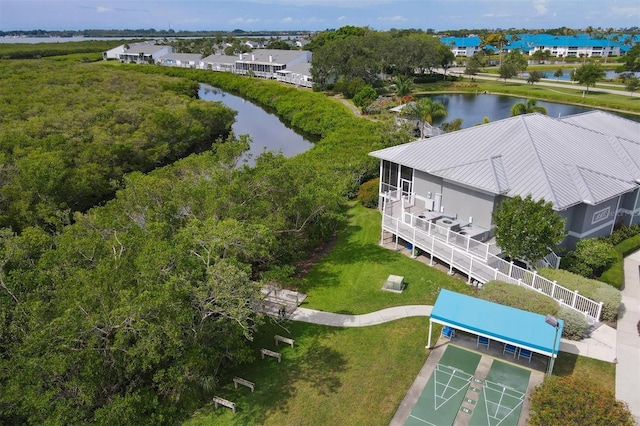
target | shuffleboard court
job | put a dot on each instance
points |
(502, 396)
(442, 396)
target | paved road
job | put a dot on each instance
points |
(628, 348)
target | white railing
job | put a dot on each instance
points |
(483, 266)
(551, 260)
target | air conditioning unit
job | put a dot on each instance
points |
(451, 224)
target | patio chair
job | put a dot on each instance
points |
(510, 349)
(484, 341)
(524, 353)
(448, 332)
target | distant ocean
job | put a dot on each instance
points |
(33, 40)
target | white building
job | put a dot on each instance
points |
(147, 52)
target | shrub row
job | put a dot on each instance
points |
(575, 324)
(614, 274)
(574, 401)
(595, 290)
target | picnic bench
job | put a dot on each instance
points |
(239, 381)
(267, 352)
(221, 401)
(283, 339)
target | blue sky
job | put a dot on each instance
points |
(254, 15)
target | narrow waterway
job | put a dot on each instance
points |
(266, 129)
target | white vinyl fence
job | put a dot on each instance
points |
(476, 260)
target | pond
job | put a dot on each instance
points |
(266, 129)
(473, 108)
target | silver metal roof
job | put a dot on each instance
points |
(274, 56)
(531, 154)
(182, 56)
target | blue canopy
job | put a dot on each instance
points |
(498, 322)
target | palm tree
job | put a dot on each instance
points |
(528, 108)
(424, 111)
(404, 85)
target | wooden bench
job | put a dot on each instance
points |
(243, 382)
(283, 339)
(221, 401)
(264, 352)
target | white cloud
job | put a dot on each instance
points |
(287, 19)
(541, 6)
(396, 18)
(102, 9)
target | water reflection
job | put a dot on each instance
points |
(266, 129)
(474, 108)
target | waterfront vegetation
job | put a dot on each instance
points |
(565, 94)
(140, 309)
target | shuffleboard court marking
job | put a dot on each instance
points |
(500, 393)
(450, 379)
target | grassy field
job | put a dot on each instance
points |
(333, 376)
(351, 376)
(349, 278)
(565, 94)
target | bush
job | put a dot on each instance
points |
(590, 258)
(574, 401)
(627, 242)
(611, 299)
(518, 297)
(575, 324)
(587, 288)
(365, 97)
(623, 233)
(368, 193)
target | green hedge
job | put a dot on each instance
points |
(576, 401)
(614, 274)
(594, 290)
(518, 297)
(575, 325)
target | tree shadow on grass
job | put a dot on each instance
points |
(310, 363)
(327, 272)
(565, 364)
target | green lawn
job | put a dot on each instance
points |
(349, 279)
(333, 376)
(351, 376)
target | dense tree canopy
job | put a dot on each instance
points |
(142, 304)
(369, 54)
(69, 132)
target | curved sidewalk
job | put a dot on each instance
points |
(373, 318)
(600, 345)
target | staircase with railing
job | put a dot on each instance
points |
(480, 263)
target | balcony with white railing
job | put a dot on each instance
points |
(478, 260)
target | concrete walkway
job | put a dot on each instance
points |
(628, 345)
(600, 345)
(621, 346)
(373, 318)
